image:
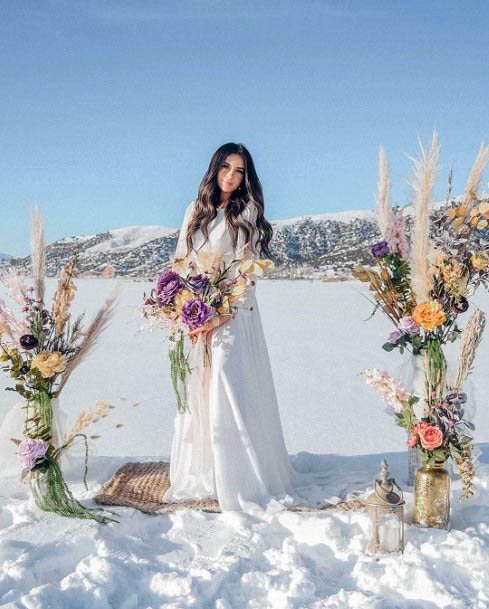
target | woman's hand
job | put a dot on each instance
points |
(207, 329)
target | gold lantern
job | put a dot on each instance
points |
(385, 507)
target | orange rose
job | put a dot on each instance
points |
(429, 315)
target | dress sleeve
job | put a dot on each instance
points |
(181, 248)
(252, 248)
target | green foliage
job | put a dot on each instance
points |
(48, 487)
(179, 369)
(51, 494)
(407, 418)
(436, 457)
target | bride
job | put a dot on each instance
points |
(230, 446)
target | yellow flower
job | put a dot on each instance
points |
(178, 263)
(182, 297)
(255, 267)
(429, 315)
(238, 291)
(224, 307)
(453, 275)
(49, 364)
(480, 261)
(484, 209)
(206, 261)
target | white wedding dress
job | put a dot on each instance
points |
(230, 447)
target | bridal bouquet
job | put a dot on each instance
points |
(422, 285)
(40, 347)
(193, 291)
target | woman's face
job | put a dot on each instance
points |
(231, 173)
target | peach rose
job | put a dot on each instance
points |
(429, 315)
(430, 437)
(49, 364)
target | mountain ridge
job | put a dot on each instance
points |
(326, 246)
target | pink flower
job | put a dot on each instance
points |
(415, 431)
(431, 437)
(412, 440)
(407, 325)
(389, 388)
(30, 450)
(396, 234)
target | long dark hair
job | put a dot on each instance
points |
(249, 192)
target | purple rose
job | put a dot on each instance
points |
(407, 325)
(198, 283)
(461, 306)
(169, 284)
(195, 312)
(381, 249)
(31, 450)
(394, 336)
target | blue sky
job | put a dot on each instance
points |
(111, 110)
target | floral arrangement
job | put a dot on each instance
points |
(442, 435)
(423, 284)
(197, 290)
(40, 347)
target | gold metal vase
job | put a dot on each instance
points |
(432, 497)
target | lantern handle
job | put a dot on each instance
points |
(381, 492)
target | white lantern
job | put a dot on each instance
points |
(385, 507)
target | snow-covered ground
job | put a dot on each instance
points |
(318, 342)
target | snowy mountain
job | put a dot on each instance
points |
(316, 246)
(4, 256)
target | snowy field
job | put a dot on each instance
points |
(318, 343)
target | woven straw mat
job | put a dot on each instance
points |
(142, 486)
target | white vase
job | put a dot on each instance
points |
(415, 460)
(57, 428)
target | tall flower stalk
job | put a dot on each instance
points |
(423, 286)
(39, 351)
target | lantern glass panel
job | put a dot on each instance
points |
(387, 529)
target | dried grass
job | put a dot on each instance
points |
(425, 171)
(38, 252)
(65, 292)
(471, 339)
(383, 194)
(476, 174)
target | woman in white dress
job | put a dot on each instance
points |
(230, 446)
